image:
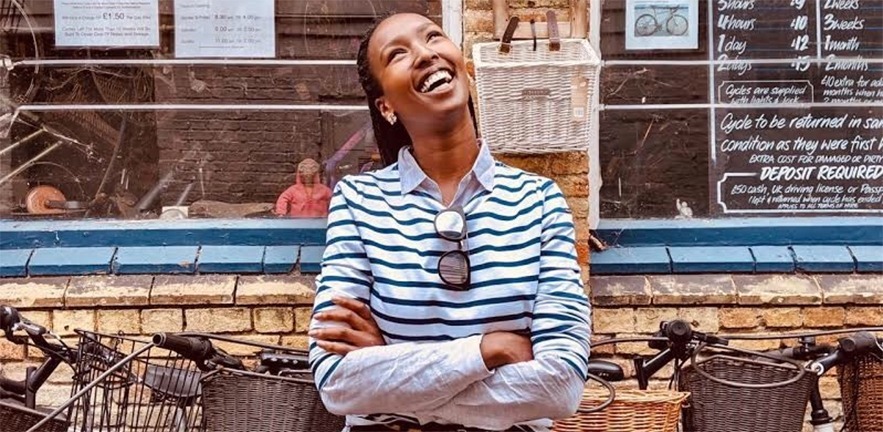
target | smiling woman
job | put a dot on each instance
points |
(407, 87)
(403, 337)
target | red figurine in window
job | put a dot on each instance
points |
(308, 197)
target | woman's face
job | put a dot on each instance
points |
(422, 73)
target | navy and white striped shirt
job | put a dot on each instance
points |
(382, 249)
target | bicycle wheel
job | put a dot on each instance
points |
(645, 25)
(677, 25)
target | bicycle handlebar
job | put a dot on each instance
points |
(673, 341)
(9, 317)
(680, 333)
(192, 348)
(850, 347)
(198, 349)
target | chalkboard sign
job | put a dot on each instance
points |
(803, 135)
(778, 112)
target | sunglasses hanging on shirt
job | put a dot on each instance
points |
(454, 267)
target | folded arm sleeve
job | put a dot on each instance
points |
(383, 379)
(551, 385)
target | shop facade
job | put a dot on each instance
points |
(164, 164)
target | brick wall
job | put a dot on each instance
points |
(276, 310)
(253, 155)
(272, 310)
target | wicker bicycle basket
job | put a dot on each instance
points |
(861, 387)
(716, 407)
(241, 401)
(16, 417)
(536, 101)
(631, 411)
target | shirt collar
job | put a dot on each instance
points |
(411, 175)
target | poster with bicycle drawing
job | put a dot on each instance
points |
(661, 24)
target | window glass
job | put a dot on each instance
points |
(769, 108)
(192, 108)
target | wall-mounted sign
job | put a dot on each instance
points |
(824, 158)
(225, 28)
(661, 24)
(106, 23)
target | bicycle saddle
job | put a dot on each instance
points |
(173, 382)
(606, 370)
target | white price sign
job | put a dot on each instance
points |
(225, 28)
(106, 23)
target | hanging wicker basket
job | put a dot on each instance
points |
(631, 411)
(535, 99)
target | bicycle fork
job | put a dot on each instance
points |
(820, 420)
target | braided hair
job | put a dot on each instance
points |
(390, 138)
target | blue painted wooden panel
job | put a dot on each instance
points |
(631, 260)
(190, 232)
(771, 231)
(71, 261)
(159, 260)
(868, 258)
(280, 259)
(835, 259)
(311, 259)
(231, 259)
(773, 259)
(709, 259)
(14, 262)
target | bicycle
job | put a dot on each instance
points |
(280, 394)
(847, 356)
(277, 394)
(103, 406)
(188, 383)
(675, 24)
(704, 368)
(18, 397)
(642, 409)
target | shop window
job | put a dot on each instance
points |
(736, 108)
(191, 108)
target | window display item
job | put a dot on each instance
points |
(308, 197)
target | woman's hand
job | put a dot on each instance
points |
(502, 348)
(362, 332)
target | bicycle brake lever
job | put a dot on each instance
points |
(712, 339)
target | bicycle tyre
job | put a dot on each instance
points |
(677, 25)
(643, 28)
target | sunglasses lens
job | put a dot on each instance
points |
(450, 225)
(454, 268)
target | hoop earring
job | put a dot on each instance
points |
(391, 118)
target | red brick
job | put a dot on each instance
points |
(819, 317)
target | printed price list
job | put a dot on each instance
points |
(225, 28)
